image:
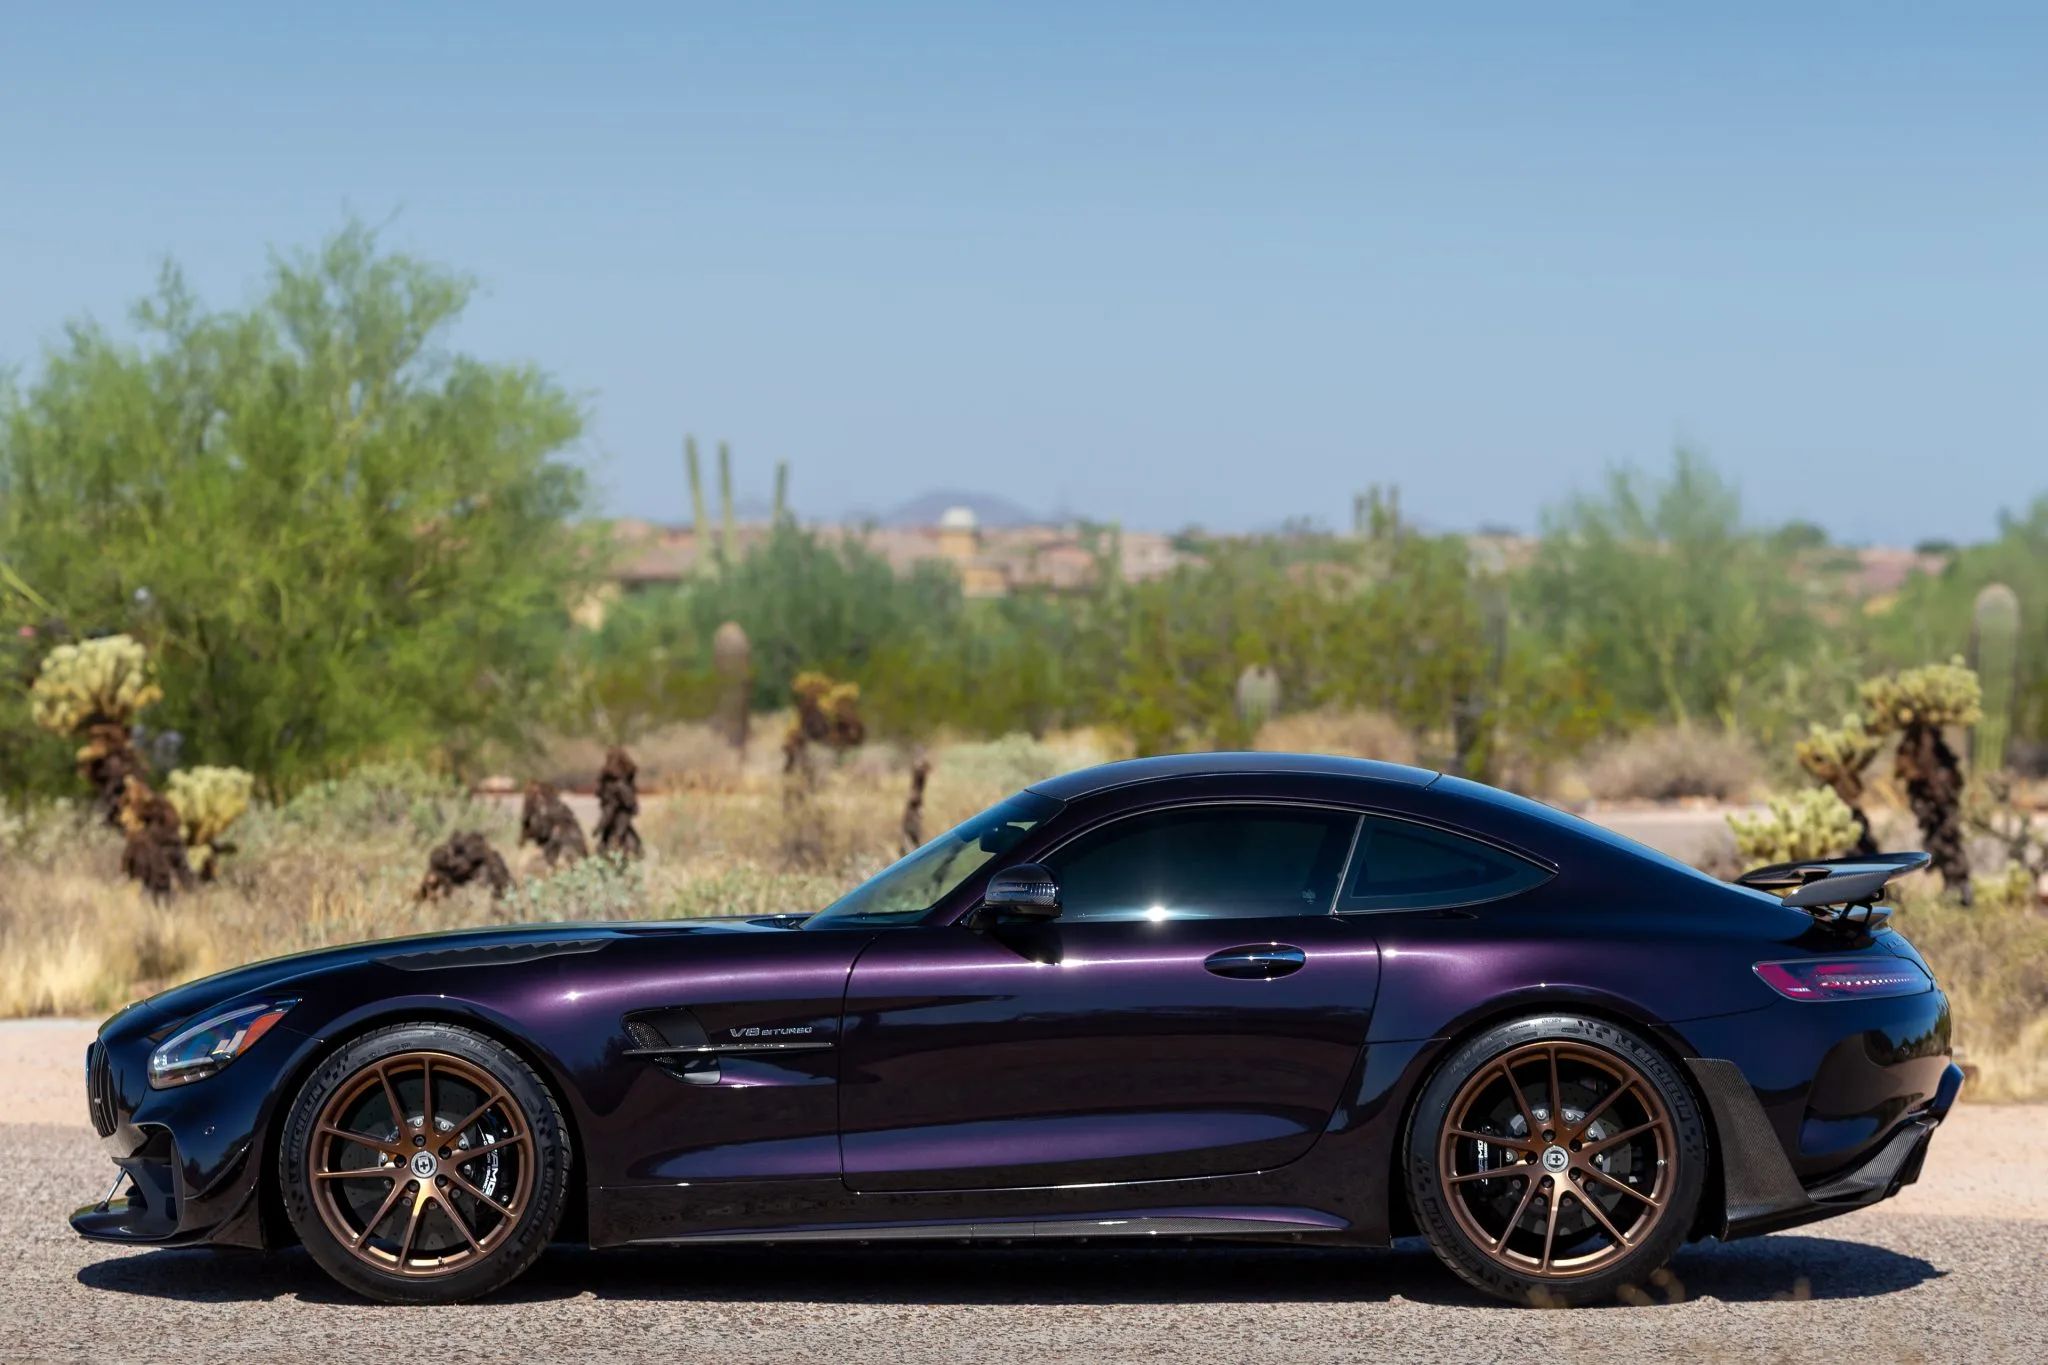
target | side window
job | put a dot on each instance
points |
(1402, 866)
(1206, 862)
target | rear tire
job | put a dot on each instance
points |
(1556, 1160)
(425, 1163)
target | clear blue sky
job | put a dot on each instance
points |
(1173, 263)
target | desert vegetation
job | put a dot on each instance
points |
(293, 650)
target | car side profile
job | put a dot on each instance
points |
(1242, 996)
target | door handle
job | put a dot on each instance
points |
(1257, 961)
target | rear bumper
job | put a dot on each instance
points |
(1762, 1193)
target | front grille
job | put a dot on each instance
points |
(99, 1089)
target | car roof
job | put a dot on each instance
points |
(1107, 776)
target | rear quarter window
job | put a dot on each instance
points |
(1404, 866)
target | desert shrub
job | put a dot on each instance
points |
(1797, 827)
(600, 888)
(1674, 762)
(1340, 731)
(378, 799)
(1992, 960)
(1001, 766)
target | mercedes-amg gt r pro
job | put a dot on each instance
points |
(1255, 997)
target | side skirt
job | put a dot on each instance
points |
(1244, 1223)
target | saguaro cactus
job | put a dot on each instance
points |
(1995, 654)
(1258, 696)
(732, 660)
(699, 517)
(727, 542)
(781, 491)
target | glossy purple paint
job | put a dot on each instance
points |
(1026, 1074)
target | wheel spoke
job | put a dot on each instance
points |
(1592, 1148)
(360, 1173)
(1497, 1173)
(1550, 1228)
(473, 1190)
(1497, 1139)
(1528, 1196)
(468, 1154)
(427, 1097)
(1606, 1179)
(1521, 1101)
(375, 1144)
(391, 1098)
(398, 1187)
(1621, 1088)
(476, 1116)
(1600, 1214)
(454, 1216)
(1556, 1096)
(420, 1199)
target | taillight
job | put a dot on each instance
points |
(1863, 978)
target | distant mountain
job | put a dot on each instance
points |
(989, 510)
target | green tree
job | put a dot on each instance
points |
(1659, 590)
(336, 535)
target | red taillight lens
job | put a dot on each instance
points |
(1868, 978)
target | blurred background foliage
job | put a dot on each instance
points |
(341, 542)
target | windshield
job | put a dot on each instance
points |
(904, 891)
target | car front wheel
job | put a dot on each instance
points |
(425, 1163)
(1556, 1160)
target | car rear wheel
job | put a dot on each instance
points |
(425, 1163)
(1556, 1160)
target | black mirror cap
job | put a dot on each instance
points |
(1026, 889)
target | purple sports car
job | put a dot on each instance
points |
(1247, 996)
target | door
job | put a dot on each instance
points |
(1196, 1010)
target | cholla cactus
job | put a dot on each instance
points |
(1931, 695)
(94, 682)
(827, 712)
(95, 689)
(1838, 757)
(208, 801)
(1810, 824)
(1918, 703)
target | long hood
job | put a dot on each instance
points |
(505, 943)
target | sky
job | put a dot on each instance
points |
(1186, 264)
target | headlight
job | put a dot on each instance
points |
(197, 1052)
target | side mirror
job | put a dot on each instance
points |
(1026, 890)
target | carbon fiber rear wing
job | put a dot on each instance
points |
(1829, 889)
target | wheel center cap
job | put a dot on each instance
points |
(1555, 1159)
(424, 1165)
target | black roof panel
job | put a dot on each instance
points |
(1105, 776)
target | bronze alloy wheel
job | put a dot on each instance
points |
(420, 1164)
(1557, 1159)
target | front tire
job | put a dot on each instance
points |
(425, 1163)
(1556, 1160)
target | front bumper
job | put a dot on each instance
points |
(188, 1158)
(1762, 1193)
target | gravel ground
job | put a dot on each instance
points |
(1951, 1269)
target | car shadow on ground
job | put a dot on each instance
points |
(1763, 1270)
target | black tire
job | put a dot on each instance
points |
(535, 1155)
(1459, 1194)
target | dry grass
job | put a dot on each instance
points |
(1332, 730)
(1674, 763)
(1992, 960)
(340, 864)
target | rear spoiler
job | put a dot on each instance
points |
(1830, 888)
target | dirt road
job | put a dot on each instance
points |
(1952, 1269)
